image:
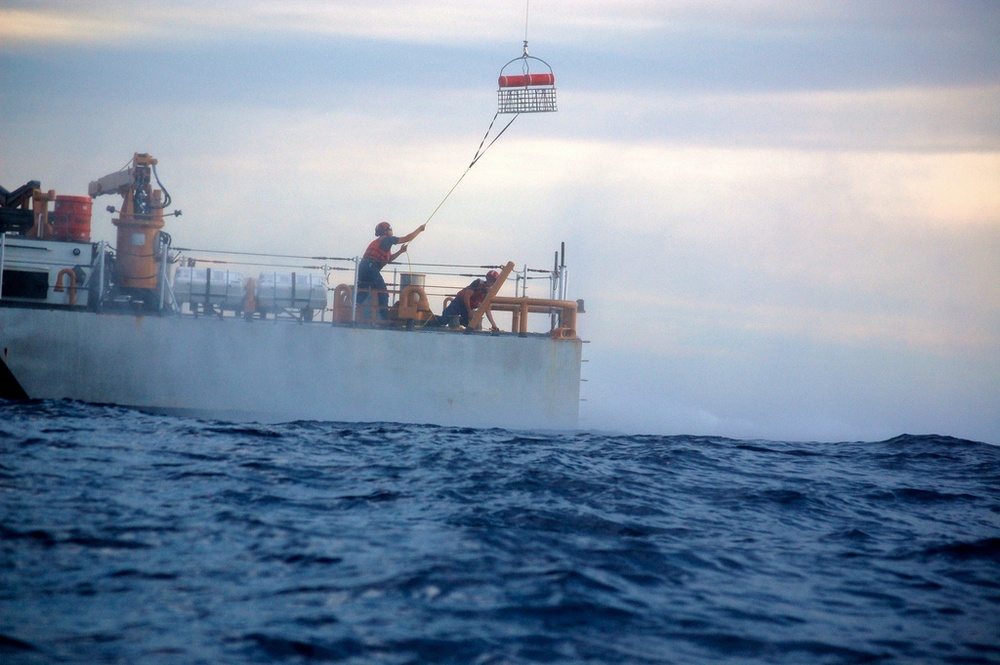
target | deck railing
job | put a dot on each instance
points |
(418, 292)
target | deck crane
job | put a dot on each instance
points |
(140, 218)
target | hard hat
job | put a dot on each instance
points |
(492, 275)
(382, 229)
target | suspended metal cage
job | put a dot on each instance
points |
(527, 92)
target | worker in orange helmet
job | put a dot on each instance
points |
(468, 299)
(376, 256)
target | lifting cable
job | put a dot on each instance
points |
(546, 102)
(479, 153)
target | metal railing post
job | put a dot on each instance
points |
(3, 255)
(163, 271)
(354, 296)
(100, 276)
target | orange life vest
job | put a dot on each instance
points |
(376, 253)
(479, 290)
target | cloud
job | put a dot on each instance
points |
(850, 248)
(557, 22)
(411, 21)
(914, 119)
(33, 26)
(783, 216)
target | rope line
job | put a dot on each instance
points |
(270, 265)
(479, 153)
(482, 151)
(479, 150)
(272, 256)
(458, 265)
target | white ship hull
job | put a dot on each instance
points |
(271, 370)
(182, 330)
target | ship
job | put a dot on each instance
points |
(149, 325)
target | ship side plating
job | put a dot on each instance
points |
(281, 370)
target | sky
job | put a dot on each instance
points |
(783, 216)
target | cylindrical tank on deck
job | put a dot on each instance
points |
(71, 218)
(136, 265)
(411, 279)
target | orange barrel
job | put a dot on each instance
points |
(71, 218)
(521, 80)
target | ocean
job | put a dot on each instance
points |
(128, 537)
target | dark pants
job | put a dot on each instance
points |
(456, 306)
(370, 278)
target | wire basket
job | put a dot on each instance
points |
(526, 100)
(526, 92)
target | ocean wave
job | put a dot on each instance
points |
(136, 537)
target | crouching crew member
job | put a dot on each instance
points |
(468, 299)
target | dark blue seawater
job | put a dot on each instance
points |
(127, 537)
